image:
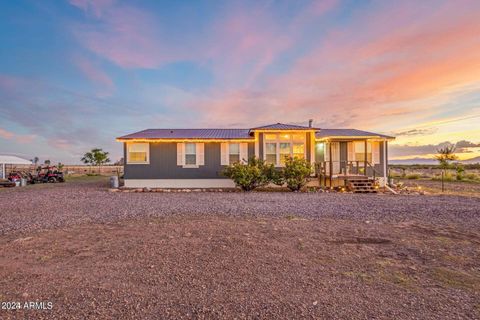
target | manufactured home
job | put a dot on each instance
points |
(195, 158)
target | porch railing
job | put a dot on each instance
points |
(344, 169)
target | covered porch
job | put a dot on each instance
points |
(344, 156)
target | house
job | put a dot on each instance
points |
(195, 158)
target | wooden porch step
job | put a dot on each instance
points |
(361, 185)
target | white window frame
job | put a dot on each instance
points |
(146, 145)
(185, 156)
(229, 152)
(278, 141)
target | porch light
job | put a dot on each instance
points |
(320, 146)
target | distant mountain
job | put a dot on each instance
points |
(413, 161)
(471, 160)
(430, 161)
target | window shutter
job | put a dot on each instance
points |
(200, 154)
(180, 154)
(376, 152)
(244, 152)
(224, 158)
(351, 151)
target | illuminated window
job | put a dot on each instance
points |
(271, 153)
(270, 136)
(284, 152)
(360, 151)
(138, 153)
(299, 150)
(234, 152)
(279, 146)
(190, 154)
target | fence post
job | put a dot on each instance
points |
(443, 186)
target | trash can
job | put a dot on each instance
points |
(23, 182)
(114, 182)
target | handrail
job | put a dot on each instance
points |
(344, 167)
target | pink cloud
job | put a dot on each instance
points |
(6, 134)
(94, 73)
(28, 138)
(382, 64)
(128, 37)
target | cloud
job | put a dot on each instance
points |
(127, 36)
(374, 70)
(415, 132)
(6, 134)
(65, 119)
(94, 73)
(95, 7)
(20, 138)
(467, 144)
(419, 150)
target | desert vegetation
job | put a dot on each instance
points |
(257, 173)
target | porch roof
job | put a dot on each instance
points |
(348, 133)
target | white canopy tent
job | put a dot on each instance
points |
(4, 160)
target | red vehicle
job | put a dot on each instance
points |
(48, 174)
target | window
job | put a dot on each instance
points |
(360, 151)
(299, 150)
(284, 152)
(234, 152)
(137, 153)
(279, 146)
(190, 154)
(271, 153)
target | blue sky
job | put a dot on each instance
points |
(76, 74)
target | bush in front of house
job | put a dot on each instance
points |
(248, 176)
(296, 172)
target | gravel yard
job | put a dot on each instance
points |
(97, 254)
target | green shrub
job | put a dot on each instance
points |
(296, 172)
(248, 176)
(460, 172)
(413, 176)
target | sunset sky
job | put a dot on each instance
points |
(76, 74)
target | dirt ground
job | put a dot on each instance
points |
(422, 264)
(450, 187)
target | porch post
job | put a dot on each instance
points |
(384, 162)
(3, 171)
(366, 158)
(331, 163)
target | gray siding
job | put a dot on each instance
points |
(163, 163)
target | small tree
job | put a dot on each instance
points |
(96, 157)
(296, 172)
(445, 156)
(47, 163)
(60, 166)
(249, 176)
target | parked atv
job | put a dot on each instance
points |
(48, 175)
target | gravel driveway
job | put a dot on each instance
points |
(49, 206)
(94, 254)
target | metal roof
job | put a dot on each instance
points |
(190, 134)
(325, 133)
(13, 160)
(282, 126)
(243, 133)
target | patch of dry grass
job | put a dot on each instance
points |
(455, 278)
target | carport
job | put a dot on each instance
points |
(4, 160)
